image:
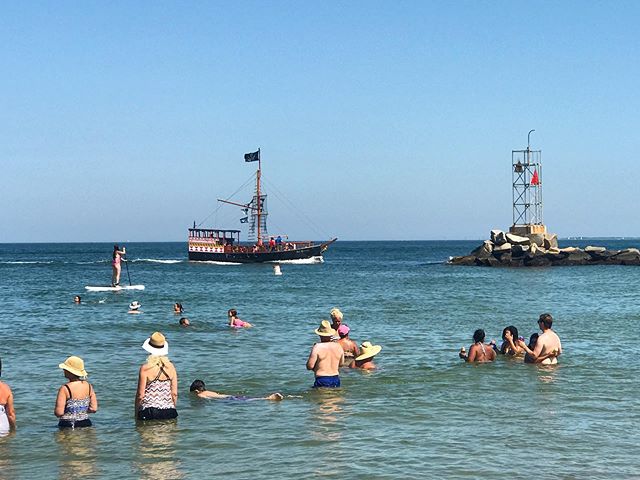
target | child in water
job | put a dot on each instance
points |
(199, 388)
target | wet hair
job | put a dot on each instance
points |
(78, 297)
(232, 311)
(184, 321)
(197, 386)
(546, 319)
(178, 306)
(532, 341)
(513, 330)
(115, 249)
(478, 336)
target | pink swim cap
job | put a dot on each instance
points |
(343, 329)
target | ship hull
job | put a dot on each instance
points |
(259, 257)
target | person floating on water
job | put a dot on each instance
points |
(548, 346)
(177, 308)
(199, 388)
(478, 352)
(77, 299)
(76, 399)
(184, 322)
(235, 322)
(365, 359)
(134, 307)
(325, 358)
(117, 257)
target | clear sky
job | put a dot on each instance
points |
(125, 121)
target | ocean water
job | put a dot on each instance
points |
(423, 413)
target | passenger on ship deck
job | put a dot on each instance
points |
(479, 352)
(272, 244)
(157, 393)
(7, 411)
(367, 353)
(235, 322)
(325, 358)
(548, 346)
(117, 256)
(350, 348)
(199, 388)
(76, 399)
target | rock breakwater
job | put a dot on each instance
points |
(540, 250)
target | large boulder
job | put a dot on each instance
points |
(590, 249)
(517, 239)
(505, 247)
(519, 250)
(537, 238)
(628, 256)
(467, 260)
(494, 235)
(500, 238)
(550, 241)
(484, 250)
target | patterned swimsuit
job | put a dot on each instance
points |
(76, 411)
(157, 403)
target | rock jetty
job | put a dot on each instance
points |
(540, 250)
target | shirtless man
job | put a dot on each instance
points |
(548, 346)
(7, 412)
(326, 357)
(479, 352)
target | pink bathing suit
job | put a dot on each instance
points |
(116, 261)
(237, 323)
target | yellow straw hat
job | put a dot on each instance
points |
(367, 350)
(156, 344)
(325, 329)
(75, 366)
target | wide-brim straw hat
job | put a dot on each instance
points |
(325, 330)
(156, 344)
(74, 365)
(367, 351)
(134, 305)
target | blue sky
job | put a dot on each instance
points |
(125, 121)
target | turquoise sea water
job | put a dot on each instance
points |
(423, 413)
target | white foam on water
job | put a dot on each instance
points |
(302, 261)
(156, 260)
(18, 262)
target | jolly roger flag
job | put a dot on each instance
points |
(252, 157)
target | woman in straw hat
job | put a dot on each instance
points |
(76, 398)
(365, 359)
(157, 393)
(7, 412)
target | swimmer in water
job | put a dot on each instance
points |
(134, 307)
(367, 353)
(177, 308)
(351, 350)
(184, 322)
(77, 299)
(235, 322)
(510, 344)
(199, 388)
(478, 352)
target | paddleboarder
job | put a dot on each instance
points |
(117, 256)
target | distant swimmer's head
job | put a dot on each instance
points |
(197, 386)
(184, 321)
(343, 331)
(232, 312)
(156, 344)
(478, 336)
(77, 299)
(336, 315)
(73, 367)
(135, 305)
(513, 330)
(177, 307)
(546, 319)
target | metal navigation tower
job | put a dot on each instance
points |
(526, 175)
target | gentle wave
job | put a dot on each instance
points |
(17, 262)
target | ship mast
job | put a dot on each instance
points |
(259, 211)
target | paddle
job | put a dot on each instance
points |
(126, 262)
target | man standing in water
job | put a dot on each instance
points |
(325, 358)
(548, 346)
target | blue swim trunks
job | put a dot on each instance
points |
(330, 382)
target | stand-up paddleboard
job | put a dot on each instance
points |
(114, 289)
